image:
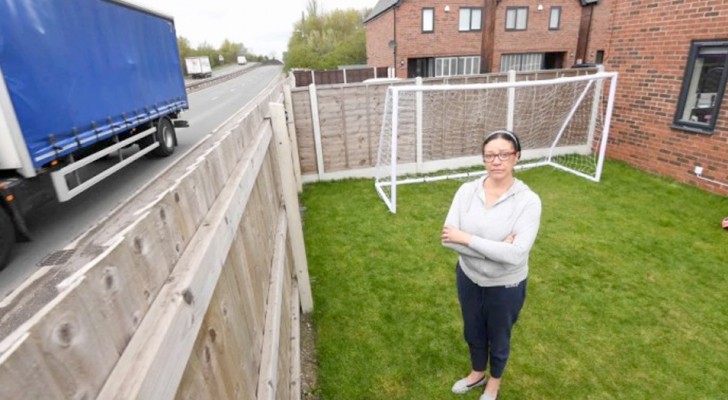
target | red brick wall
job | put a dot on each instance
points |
(600, 29)
(649, 48)
(379, 33)
(537, 38)
(445, 41)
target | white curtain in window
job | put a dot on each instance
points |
(428, 22)
(464, 19)
(511, 19)
(476, 19)
(522, 18)
(522, 62)
(555, 16)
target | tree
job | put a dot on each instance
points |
(228, 49)
(185, 48)
(206, 49)
(326, 40)
(231, 51)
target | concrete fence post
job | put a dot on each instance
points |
(290, 119)
(316, 130)
(418, 127)
(290, 198)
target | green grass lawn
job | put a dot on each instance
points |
(627, 293)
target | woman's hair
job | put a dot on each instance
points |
(503, 134)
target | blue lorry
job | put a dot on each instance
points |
(80, 80)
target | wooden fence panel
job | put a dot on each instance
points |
(304, 130)
(228, 346)
(332, 129)
(361, 149)
(328, 77)
(302, 78)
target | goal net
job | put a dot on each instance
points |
(429, 131)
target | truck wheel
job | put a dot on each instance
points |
(166, 137)
(7, 237)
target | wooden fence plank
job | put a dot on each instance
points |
(296, 384)
(290, 198)
(268, 381)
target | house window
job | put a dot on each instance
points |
(600, 57)
(522, 62)
(703, 86)
(470, 19)
(449, 66)
(555, 19)
(428, 20)
(516, 18)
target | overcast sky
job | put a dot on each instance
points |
(263, 26)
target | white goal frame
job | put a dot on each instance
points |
(390, 179)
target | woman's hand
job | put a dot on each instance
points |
(450, 234)
(510, 238)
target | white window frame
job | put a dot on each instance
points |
(468, 19)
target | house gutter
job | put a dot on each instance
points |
(487, 42)
(394, 38)
(582, 42)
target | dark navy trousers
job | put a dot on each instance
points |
(489, 313)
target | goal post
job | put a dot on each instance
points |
(430, 131)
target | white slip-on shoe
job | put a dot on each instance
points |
(462, 387)
(486, 396)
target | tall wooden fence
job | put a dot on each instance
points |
(338, 126)
(198, 298)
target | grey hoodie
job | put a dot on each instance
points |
(488, 260)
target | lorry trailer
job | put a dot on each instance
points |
(198, 67)
(76, 87)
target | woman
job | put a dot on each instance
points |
(492, 224)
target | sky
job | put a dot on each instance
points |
(263, 26)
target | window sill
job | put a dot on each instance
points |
(692, 129)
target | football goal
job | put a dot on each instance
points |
(431, 131)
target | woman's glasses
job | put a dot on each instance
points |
(503, 156)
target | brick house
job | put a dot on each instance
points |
(442, 38)
(672, 59)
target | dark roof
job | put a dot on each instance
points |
(381, 7)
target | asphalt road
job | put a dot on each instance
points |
(59, 224)
(219, 71)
